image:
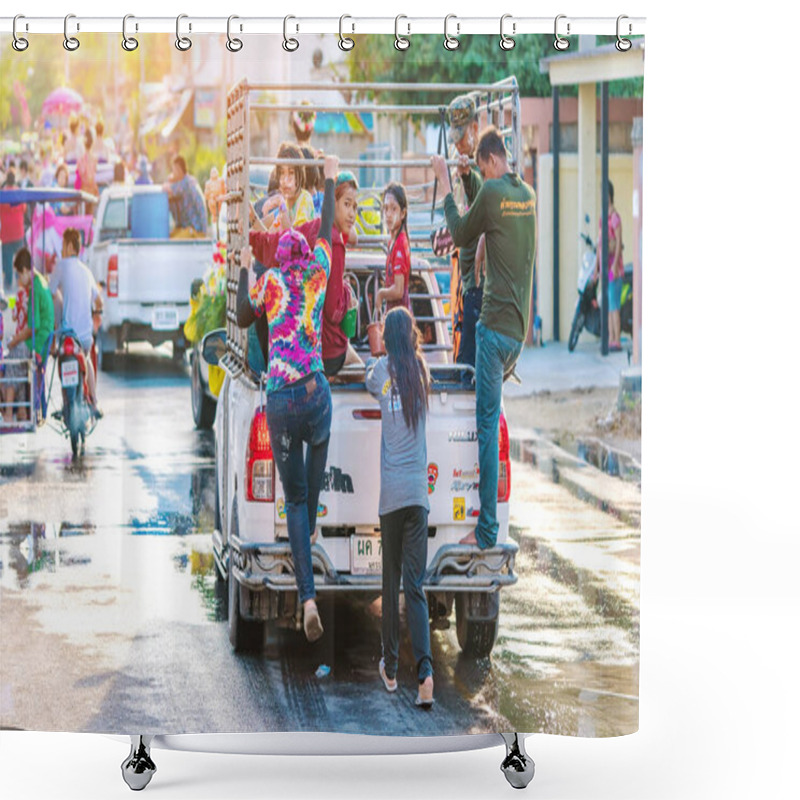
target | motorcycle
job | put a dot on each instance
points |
(588, 308)
(77, 420)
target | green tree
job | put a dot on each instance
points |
(478, 59)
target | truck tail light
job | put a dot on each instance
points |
(504, 471)
(260, 464)
(112, 279)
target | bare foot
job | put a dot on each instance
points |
(312, 625)
(469, 539)
(315, 536)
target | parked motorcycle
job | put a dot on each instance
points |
(588, 308)
(76, 415)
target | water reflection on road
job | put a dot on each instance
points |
(109, 562)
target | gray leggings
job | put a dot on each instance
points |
(404, 539)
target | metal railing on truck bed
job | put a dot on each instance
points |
(496, 103)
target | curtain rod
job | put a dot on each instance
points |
(346, 25)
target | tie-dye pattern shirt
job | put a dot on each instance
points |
(293, 297)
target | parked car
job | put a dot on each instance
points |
(146, 276)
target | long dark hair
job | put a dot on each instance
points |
(398, 191)
(407, 367)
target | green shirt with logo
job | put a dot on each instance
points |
(505, 210)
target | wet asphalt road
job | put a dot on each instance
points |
(88, 645)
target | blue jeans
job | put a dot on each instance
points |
(496, 355)
(297, 414)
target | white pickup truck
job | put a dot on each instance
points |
(146, 276)
(251, 546)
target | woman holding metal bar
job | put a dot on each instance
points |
(298, 395)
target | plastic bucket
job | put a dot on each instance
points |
(375, 339)
(348, 324)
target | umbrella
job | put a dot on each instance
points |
(62, 102)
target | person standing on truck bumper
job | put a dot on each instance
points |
(505, 211)
(292, 296)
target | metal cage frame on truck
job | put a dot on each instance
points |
(496, 104)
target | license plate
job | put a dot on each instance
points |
(69, 373)
(165, 318)
(366, 556)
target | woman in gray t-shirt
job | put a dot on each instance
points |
(399, 381)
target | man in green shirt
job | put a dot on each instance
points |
(505, 211)
(41, 317)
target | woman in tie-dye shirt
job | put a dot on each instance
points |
(292, 296)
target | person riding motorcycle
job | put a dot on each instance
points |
(77, 299)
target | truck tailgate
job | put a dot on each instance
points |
(162, 270)
(351, 489)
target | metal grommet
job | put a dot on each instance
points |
(560, 43)
(506, 42)
(234, 44)
(623, 45)
(19, 43)
(450, 42)
(129, 43)
(400, 42)
(70, 42)
(183, 43)
(290, 44)
(345, 43)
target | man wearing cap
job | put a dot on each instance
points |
(505, 211)
(463, 118)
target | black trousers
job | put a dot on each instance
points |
(404, 541)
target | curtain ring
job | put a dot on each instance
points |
(70, 42)
(289, 44)
(506, 42)
(183, 43)
(623, 45)
(345, 42)
(129, 43)
(400, 42)
(450, 42)
(234, 44)
(19, 43)
(560, 43)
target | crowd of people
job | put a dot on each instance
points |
(292, 281)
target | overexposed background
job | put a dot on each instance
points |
(720, 598)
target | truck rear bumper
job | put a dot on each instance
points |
(454, 568)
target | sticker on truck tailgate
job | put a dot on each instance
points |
(459, 508)
(165, 318)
